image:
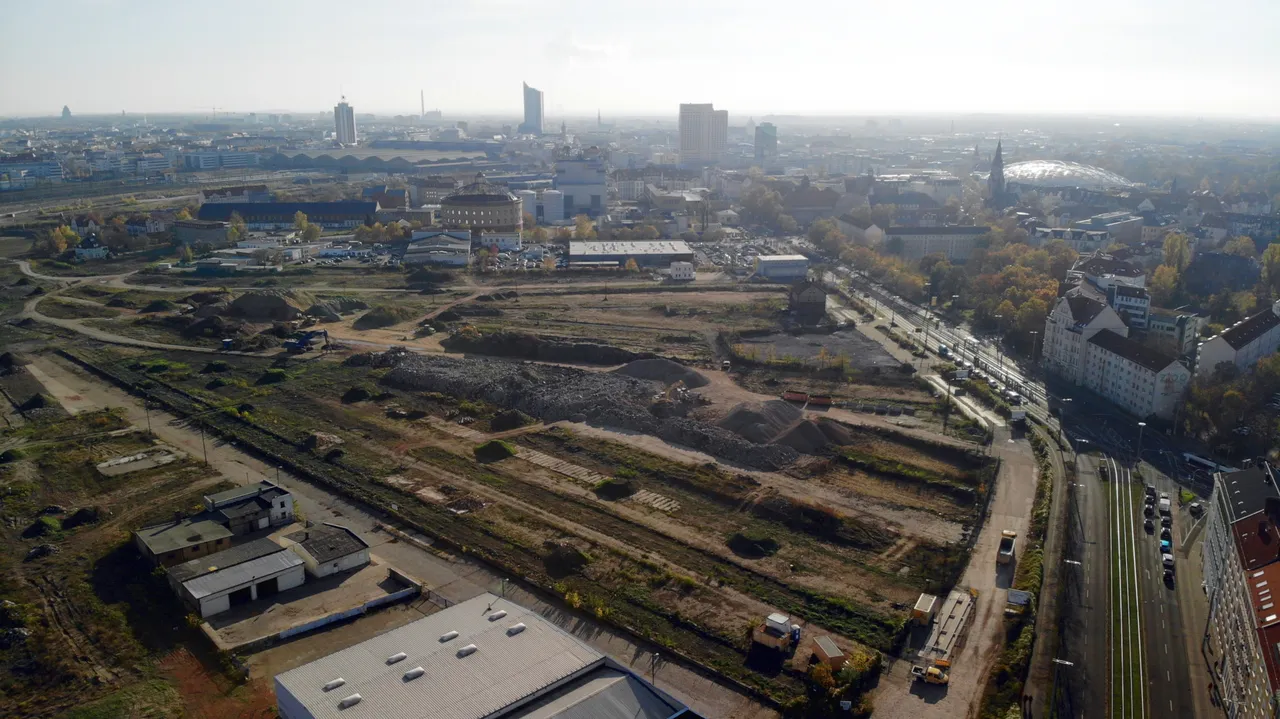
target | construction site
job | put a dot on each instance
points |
(625, 453)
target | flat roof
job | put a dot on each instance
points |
(602, 693)
(1263, 586)
(235, 493)
(638, 247)
(328, 542)
(171, 536)
(490, 664)
(225, 559)
(241, 574)
(1247, 491)
(1257, 541)
(782, 258)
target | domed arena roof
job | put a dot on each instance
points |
(480, 192)
(1057, 173)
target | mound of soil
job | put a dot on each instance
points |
(84, 515)
(530, 346)
(760, 422)
(664, 371)
(563, 559)
(494, 450)
(509, 419)
(264, 306)
(383, 316)
(752, 545)
(204, 298)
(157, 306)
(356, 394)
(806, 437)
(120, 302)
(333, 308)
(448, 316)
(9, 360)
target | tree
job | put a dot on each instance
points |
(1164, 283)
(649, 232)
(716, 235)
(1177, 251)
(185, 254)
(549, 262)
(689, 236)
(238, 223)
(311, 232)
(267, 256)
(529, 220)
(1241, 246)
(564, 234)
(183, 214)
(51, 243)
(583, 228)
(539, 234)
(631, 265)
(787, 224)
(364, 233)
(1271, 267)
(300, 221)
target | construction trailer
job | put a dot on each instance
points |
(776, 632)
(948, 629)
(924, 610)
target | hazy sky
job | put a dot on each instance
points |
(1148, 57)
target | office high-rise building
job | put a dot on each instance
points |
(344, 123)
(704, 132)
(766, 143)
(532, 111)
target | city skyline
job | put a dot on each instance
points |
(1229, 71)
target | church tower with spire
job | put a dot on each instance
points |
(995, 183)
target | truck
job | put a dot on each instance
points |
(1165, 507)
(1017, 415)
(1007, 539)
(930, 675)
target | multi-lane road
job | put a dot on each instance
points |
(1124, 633)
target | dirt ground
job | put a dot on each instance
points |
(856, 349)
(316, 598)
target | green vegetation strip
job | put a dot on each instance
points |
(1003, 693)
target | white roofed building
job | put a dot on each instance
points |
(485, 657)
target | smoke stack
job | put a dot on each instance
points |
(422, 99)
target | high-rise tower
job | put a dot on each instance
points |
(344, 123)
(532, 111)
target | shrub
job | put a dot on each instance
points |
(614, 489)
(356, 394)
(753, 544)
(215, 366)
(494, 450)
(157, 306)
(10, 455)
(272, 376)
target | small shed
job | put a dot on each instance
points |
(926, 605)
(823, 649)
(329, 549)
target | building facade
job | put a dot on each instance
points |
(913, 243)
(1140, 380)
(491, 212)
(532, 111)
(704, 134)
(189, 232)
(1239, 558)
(344, 123)
(583, 182)
(345, 214)
(1241, 344)
(682, 271)
(766, 144)
(1072, 322)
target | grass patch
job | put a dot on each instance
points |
(275, 375)
(63, 310)
(494, 450)
(152, 699)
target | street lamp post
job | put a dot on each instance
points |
(1062, 419)
(1141, 426)
(1035, 340)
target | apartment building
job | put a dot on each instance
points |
(1074, 320)
(704, 133)
(1140, 380)
(1240, 552)
(1241, 344)
(956, 243)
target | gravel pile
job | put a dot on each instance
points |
(562, 393)
(761, 422)
(664, 371)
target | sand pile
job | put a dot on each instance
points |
(760, 422)
(664, 371)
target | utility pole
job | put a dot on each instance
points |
(203, 447)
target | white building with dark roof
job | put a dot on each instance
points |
(328, 549)
(1072, 322)
(1140, 380)
(1241, 344)
(483, 658)
(241, 574)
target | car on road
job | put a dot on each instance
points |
(1168, 577)
(1196, 509)
(1167, 560)
(1007, 539)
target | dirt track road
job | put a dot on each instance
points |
(454, 578)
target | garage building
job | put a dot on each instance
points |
(328, 549)
(235, 576)
(646, 253)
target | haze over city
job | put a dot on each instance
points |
(836, 57)
(713, 360)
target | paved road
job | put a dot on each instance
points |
(455, 578)
(1085, 612)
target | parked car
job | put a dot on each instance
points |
(1166, 521)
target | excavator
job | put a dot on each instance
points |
(302, 343)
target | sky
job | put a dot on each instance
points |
(823, 57)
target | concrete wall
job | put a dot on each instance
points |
(342, 564)
(221, 602)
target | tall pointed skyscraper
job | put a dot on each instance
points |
(532, 111)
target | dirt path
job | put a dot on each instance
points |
(453, 577)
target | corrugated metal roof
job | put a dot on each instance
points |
(603, 693)
(504, 669)
(227, 558)
(243, 573)
(165, 538)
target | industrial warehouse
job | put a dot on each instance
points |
(646, 253)
(485, 657)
